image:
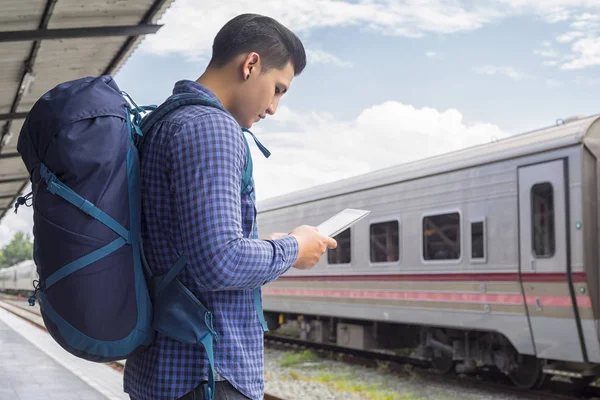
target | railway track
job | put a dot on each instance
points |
(32, 315)
(488, 381)
(493, 383)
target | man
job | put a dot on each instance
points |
(191, 172)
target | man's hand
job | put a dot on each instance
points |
(275, 235)
(312, 245)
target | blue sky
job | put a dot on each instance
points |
(439, 70)
(389, 81)
(393, 75)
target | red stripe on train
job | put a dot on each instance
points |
(515, 299)
(499, 277)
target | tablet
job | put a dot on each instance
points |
(341, 221)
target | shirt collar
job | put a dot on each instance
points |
(187, 86)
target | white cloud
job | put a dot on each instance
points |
(584, 39)
(431, 54)
(323, 57)
(587, 54)
(315, 148)
(190, 25)
(501, 70)
(546, 53)
(569, 36)
(556, 15)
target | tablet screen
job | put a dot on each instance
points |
(341, 221)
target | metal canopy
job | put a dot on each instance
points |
(46, 42)
(71, 33)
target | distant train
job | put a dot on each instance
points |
(487, 256)
(19, 277)
(484, 256)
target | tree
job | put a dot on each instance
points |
(19, 249)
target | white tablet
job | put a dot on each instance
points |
(341, 221)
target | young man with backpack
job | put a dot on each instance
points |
(193, 163)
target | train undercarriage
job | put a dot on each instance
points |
(448, 350)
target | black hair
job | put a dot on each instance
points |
(275, 43)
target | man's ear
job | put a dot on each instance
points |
(251, 61)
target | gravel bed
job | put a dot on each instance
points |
(308, 377)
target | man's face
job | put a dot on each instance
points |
(260, 94)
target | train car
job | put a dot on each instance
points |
(26, 274)
(19, 277)
(486, 256)
(8, 278)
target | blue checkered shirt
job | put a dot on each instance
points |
(191, 175)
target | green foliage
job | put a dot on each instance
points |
(290, 359)
(18, 249)
(352, 384)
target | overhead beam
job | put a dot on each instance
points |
(10, 155)
(6, 196)
(27, 70)
(11, 116)
(13, 180)
(73, 33)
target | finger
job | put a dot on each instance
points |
(331, 243)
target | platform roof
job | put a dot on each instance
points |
(46, 42)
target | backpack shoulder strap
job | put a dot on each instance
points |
(171, 104)
(187, 99)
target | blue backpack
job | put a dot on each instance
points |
(98, 297)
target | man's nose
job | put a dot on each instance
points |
(273, 106)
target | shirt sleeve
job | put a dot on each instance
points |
(207, 157)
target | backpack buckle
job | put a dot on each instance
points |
(208, 320)
(49, 177)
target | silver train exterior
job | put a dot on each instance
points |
(495, 245)
(19, 277)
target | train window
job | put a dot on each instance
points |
(478, 248)
(441, 237)
(385, 243)
(342, 253)
(542, 219)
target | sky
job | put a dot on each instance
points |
(387, 81)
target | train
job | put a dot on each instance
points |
(486, 257)
(18, 278)
(482, 258)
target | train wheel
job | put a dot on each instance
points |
(442, 364)
(529, 374)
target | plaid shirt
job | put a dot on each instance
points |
(191, 176)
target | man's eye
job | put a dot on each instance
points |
(277, 90)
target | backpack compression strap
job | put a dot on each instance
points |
(56, 187)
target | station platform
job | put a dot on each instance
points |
(34, 367)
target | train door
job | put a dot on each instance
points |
(544, 261)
